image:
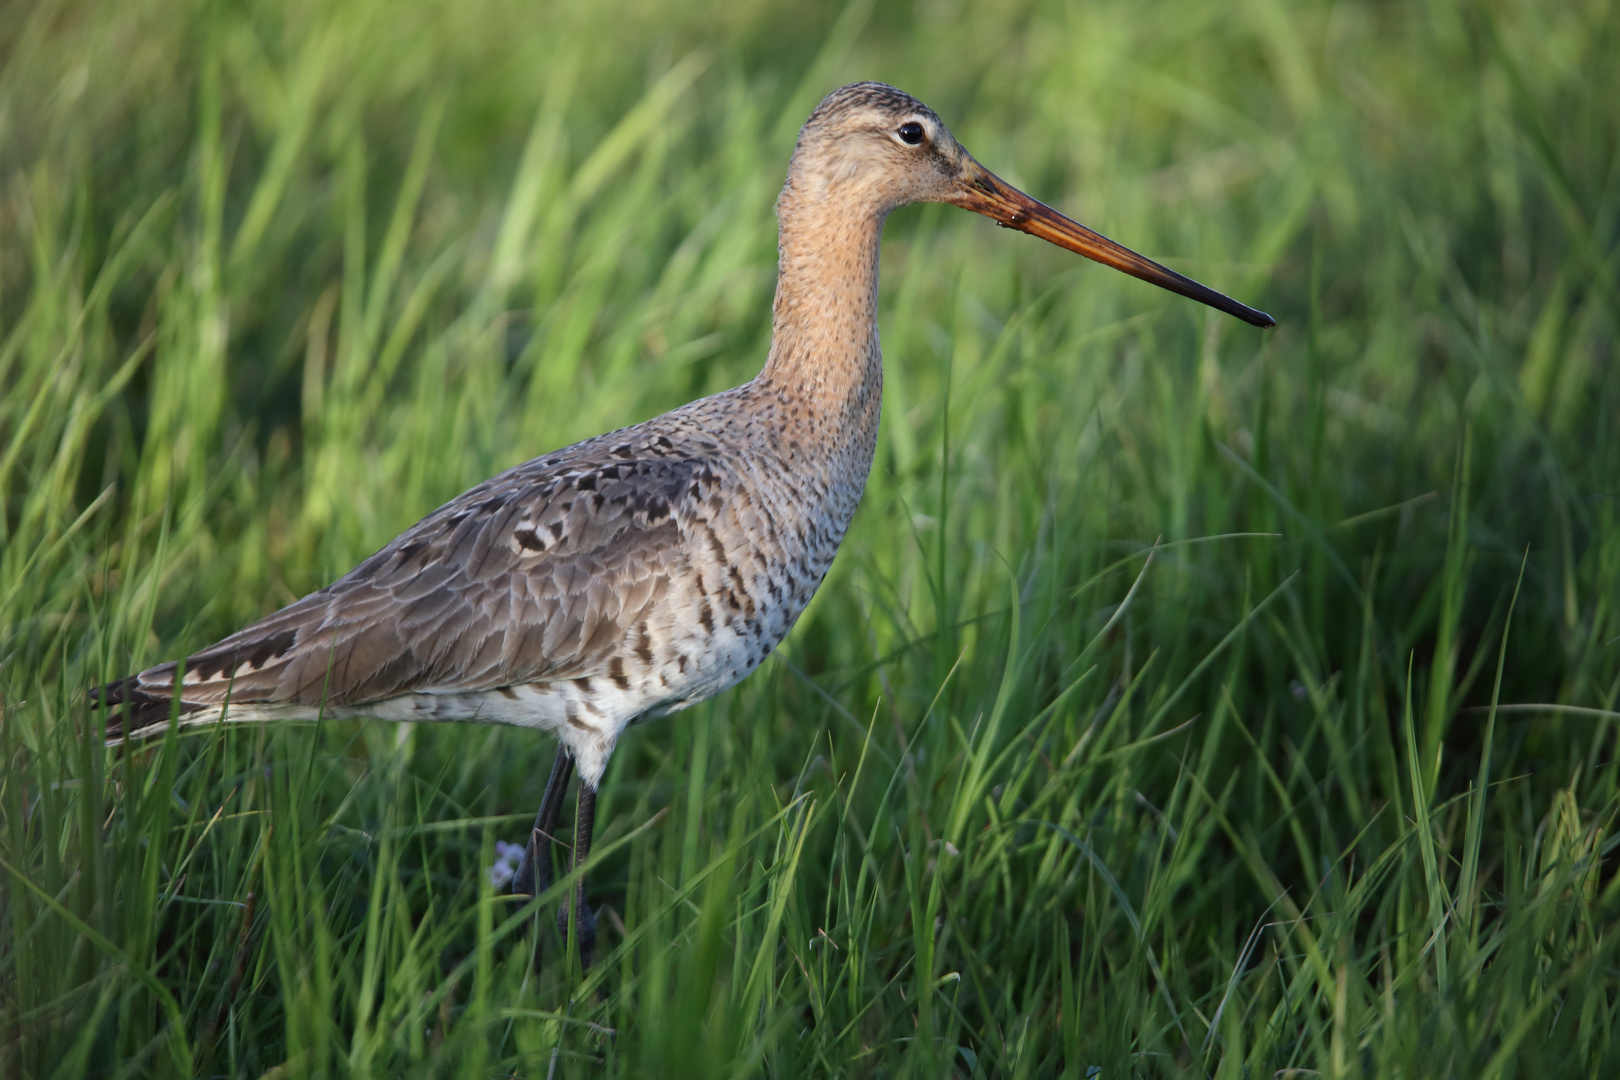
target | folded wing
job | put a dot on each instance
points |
(543, 573)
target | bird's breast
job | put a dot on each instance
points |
(743, 543)
(756, 556)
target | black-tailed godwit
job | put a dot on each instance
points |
(631, 575)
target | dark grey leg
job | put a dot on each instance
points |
(533, 875)
(584, 921)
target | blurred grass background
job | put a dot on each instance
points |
(1015, 799)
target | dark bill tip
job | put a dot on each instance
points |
(984, 193)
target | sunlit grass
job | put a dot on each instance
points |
(1144, 723)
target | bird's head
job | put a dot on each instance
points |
(872, 146)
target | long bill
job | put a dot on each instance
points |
(985, 193)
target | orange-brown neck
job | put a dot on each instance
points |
(824, 343)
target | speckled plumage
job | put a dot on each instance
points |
(623, 577)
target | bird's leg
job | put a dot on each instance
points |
(584, 921)
(533, 875)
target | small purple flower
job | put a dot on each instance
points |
(507, 857)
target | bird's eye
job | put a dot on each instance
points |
(910, 132)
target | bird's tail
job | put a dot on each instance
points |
(137, 712)
(136, 707)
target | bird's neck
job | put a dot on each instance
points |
(824, 356)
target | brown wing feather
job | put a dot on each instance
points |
(537, 574)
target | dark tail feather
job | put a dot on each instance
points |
(134, 711)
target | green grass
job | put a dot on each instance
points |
(1015, 799)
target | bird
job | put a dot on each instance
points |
(634, 574)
